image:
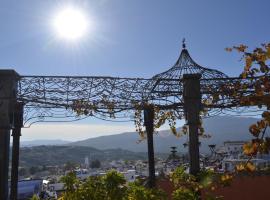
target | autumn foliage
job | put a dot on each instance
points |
(255, 91)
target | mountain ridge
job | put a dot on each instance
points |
(31, 143)
(222, 128)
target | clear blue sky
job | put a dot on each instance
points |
(132, 38)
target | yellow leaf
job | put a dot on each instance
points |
(250, 167)
(248, 63)
(240, 167)
(250, 149)
(268, 51)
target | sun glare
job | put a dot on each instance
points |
(70, 23)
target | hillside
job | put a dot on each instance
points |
(221, 128)
(58, 155)
(126, 146)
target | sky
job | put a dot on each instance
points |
(128, 38)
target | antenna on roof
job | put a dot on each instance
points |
(184, 43)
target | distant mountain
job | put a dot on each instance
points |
(59, 155)
(126, 146)
(221, 128)
(32, 143)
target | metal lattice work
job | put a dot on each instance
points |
(225, 97)
(51, 98)
(168, 86)
(60, 91)
(186, 65)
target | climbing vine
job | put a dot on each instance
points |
(257, 93)
(160, 118)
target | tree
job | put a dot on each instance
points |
(33, 170)
(69, 182)
(95, 164)
(22, 171)
(44, 168)
(34, 197)
(70, 166)
(189, 187)
(112, 186)
(136, 191)
(114, 183)
(109, 187)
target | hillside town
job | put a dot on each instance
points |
(47, 182)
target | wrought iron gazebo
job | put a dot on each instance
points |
(186, 65)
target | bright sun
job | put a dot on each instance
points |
(70, 23)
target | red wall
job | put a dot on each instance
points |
(245, 188)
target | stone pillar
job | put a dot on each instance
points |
(192, 108)
(149, 125)
(8, 86)
(16, 133)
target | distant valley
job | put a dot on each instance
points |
(32, 143)
(126, 146)
(59, 155)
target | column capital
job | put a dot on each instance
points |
(8, 91)
(192, 76)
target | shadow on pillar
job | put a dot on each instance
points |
(149, 125)
(16, 133)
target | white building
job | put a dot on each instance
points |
(86, 162)
(229, 164)
(234, 156)
(234, 148)
(130, 175)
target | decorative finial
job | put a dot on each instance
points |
(184, 43)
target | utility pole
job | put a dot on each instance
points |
(16, 133)
(8, 90)
(149, 125)
(192, 108)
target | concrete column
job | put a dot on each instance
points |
(192, 108)
(8, 87)
(149, 125)
(16, 133)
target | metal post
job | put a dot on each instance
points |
(16, 133)
(192, 107)
(8, 86)
(149, 125)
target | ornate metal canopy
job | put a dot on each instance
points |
(52, 98)
(167, 87)
(186, 65)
